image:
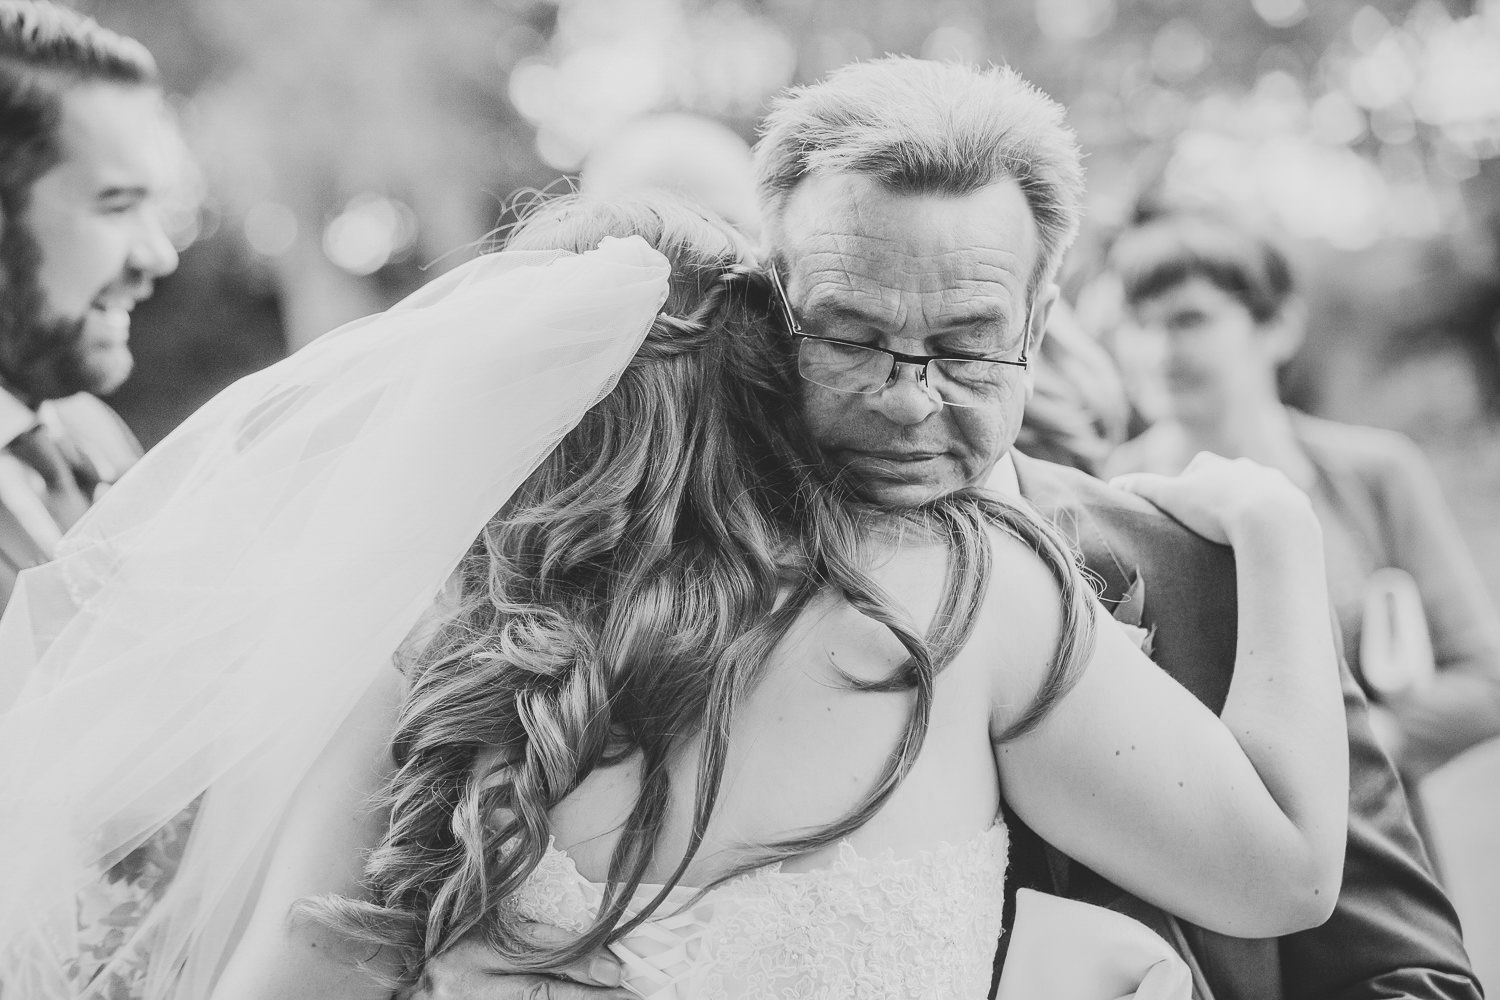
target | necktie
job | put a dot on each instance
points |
(68, 486)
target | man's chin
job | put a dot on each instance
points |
(65, 357)
(896, 483)
(105, 378)
(883, 486)
(99, 371)
(902, 494)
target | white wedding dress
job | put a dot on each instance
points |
(864, 928)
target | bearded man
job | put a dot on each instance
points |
(85, 156)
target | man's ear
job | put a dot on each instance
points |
(1041, 313)
(1285, 332)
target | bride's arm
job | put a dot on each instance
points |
(319, 849)
(1236, 823)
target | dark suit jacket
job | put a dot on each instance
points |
(1393, 932)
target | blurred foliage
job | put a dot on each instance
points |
(351, 147)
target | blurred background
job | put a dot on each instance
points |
(350, 149)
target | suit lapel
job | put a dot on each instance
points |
(1066, 510)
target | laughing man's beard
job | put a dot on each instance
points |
(39, 355)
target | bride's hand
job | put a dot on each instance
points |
(1221, 498)
(471, 970)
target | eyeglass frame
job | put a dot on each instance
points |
(918, 361)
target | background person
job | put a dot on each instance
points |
(1214, 315)
(87, 151)
(85, 155)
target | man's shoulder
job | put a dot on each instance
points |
(1050, 485)
(1093, 510)
(1149, 569)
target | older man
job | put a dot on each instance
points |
(84, 157)
(916, 214)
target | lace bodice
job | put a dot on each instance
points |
(921, 928)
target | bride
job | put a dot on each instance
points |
(682, 695)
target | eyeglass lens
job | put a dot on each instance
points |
(852, 368)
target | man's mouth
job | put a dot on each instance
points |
(894, 458)
(113, 317)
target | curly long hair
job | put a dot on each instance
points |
(625, 600)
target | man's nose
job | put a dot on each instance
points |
(153, 253)
(907, 398)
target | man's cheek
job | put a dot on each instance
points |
(824, 415)
(988, 433)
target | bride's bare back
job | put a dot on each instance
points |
(806, 748)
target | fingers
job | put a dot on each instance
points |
(472, 970)
(546, 988)
(1147, 485)
(1192, 499)
(516, 987)
(599, 969)
(1206, 460)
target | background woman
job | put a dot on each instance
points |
(1215, 316)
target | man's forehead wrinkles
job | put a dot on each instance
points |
(906, 273)
(939, 311)
(821, 262)
(981, 303)
(997, 287)
(875, 247)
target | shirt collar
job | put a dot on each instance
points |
(16, 418)
(1003, 479)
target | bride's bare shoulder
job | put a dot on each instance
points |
(1017, 625)
(1019, 622)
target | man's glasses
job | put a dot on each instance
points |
(858, 368)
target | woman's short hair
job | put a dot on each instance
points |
(45, 49)
(1165, 250)
(924, 127)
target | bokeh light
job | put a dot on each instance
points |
(613, 60)
(1074, 20)
(270, 228)
(371, 232)
(1281, 13)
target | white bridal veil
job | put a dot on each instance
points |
(212, 621)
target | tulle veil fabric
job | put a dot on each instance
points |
(216, 616)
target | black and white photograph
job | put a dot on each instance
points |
(749, 499)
